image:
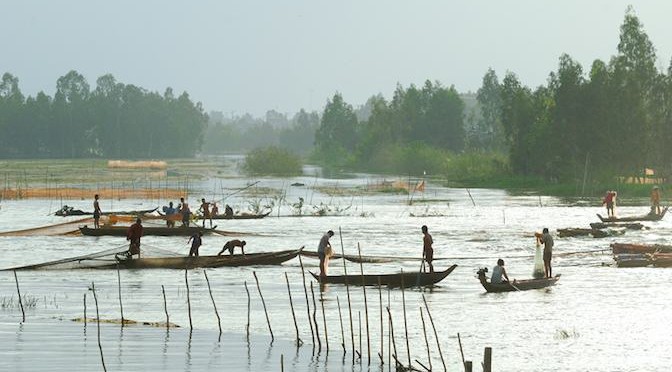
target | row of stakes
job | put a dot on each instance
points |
(313, 323)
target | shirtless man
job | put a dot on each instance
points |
(196, 240)
(205, 208)
(185, 212)
(231, 244)
(427, 250)
(96, 212)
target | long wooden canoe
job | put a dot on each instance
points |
(632, 259)
(79, 212)
(146, 230)
(646, 217)
(518, 285)
(351, 257)
(409, 279)
(239, 216)
(620, 248)
(661, 259)
(174, 262)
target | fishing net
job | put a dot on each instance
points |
(101, 259)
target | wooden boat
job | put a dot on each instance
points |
(621, 248)
(632, 260)
(243, 216)
(174, 262)
(409, 279)
(351, 258)
(146, 231)
(608, 225)
(646, 217)
(69, 211)
(661, 259)
(595, 233)
(518, 285)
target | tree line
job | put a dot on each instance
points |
(112, 120)
(614, 120)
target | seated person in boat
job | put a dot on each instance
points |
(228, 211)
(498, 272)
(170, 212)
(215, 210)
(196, 240)
(231, 244)
(133, 236)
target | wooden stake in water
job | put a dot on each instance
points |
(165, 306)
(366, 306)
(394, 343)
(382, 334)
(436, 335)
(100, 346)
(403, 302)
(84, 310)
(121, 305)
(324, 320)
(424, 332)
(264, 304)
(347, 290)
(487, 360)
(282, 362)
(23, 313)
(340, 317)
(305, 292)
(247, 327)
(186, 281)
(459, 341)
(299, 342)
(317, 329)
(219, 320)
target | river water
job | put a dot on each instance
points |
(597, 318)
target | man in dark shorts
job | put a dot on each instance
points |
(231, 244)
(547, 240)
(322, 248)
(96, 212)
(133, 236)
(205, 208)
(427, 250)
(185, 212)
(196, 240)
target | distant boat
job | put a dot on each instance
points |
(646, 217)
(408, 279)
(518, 285)
(147, 230)
(69, 211)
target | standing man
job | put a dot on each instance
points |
(133, 236)
(205, 208)
(96, 212)
(655, 200)
(546, 239)
(185, 212)
(427, 250)
(322, 252)
(610, 201)
(196, 240)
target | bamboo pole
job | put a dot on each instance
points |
(366, 307)
(394, 343)
(347, 290)
(84, 310)
(317, 329)
(436, 335)
(340, 317)
(186, 281)
(487, 360)
(359, 322)
(282, 362)
(299, 342)
(121, 305)
(165, 307)
(382, 334)
(305, 292)
(214, 305)
(264, 304)
(100, 346)
(23, 312)
(403, 303)
(459, 341)
(467, 366)
(247, 327)
(324, 319)
(424, 331)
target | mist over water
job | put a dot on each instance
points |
(596, 318)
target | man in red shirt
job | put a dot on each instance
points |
(133, 236)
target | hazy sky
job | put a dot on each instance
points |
(251, 56)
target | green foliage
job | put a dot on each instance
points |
(113, 120)
(272, 161)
